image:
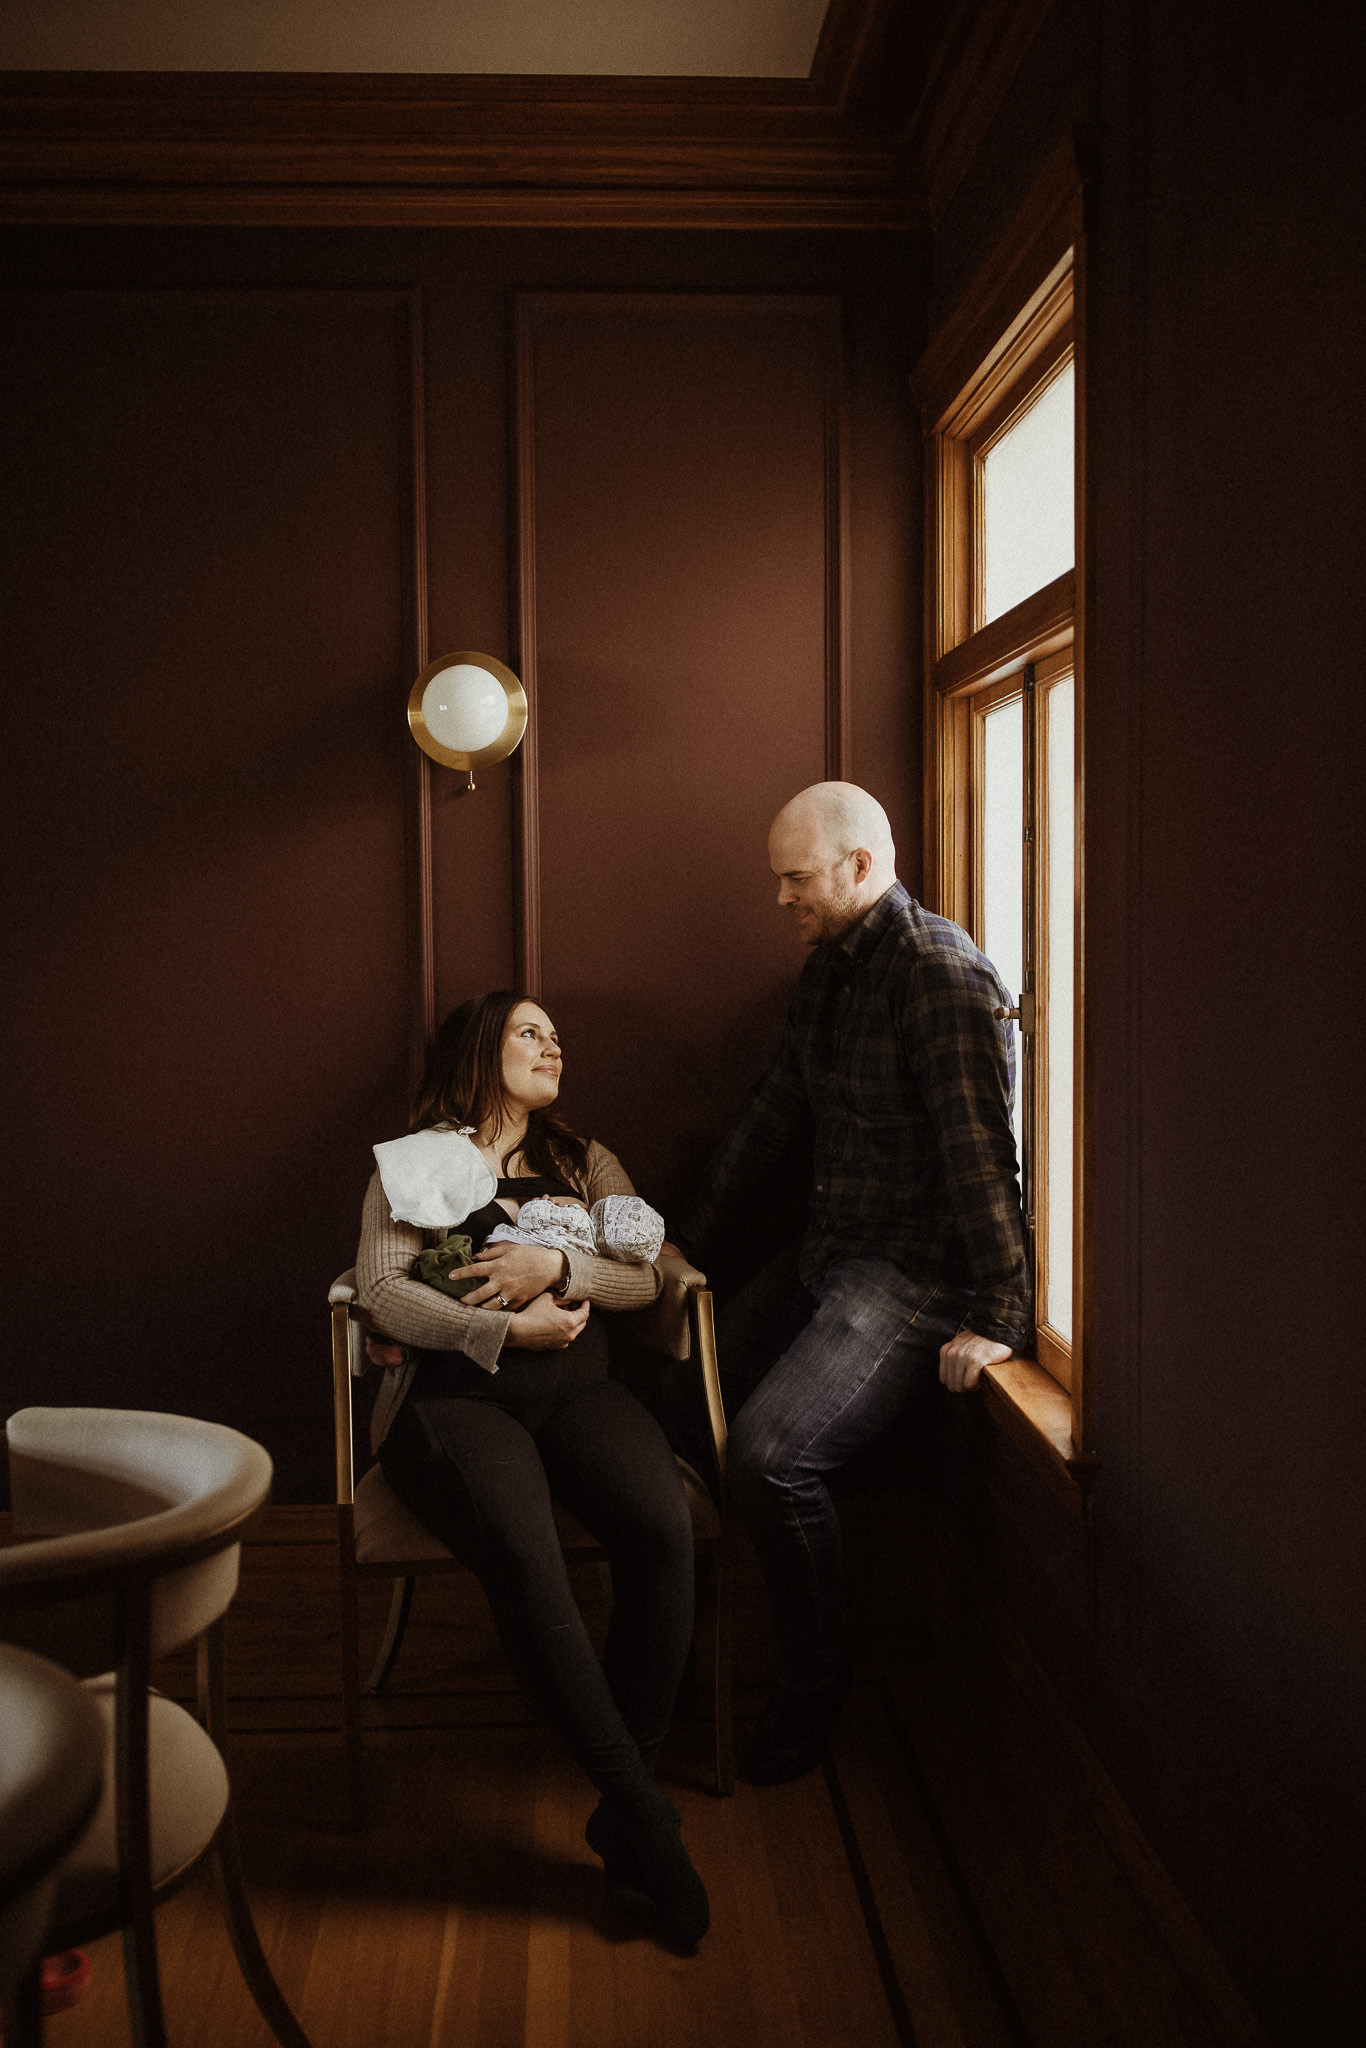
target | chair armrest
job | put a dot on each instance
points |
(342, 1292)
(679, 1271)
(664, 1324)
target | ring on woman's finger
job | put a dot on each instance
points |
(502, 1301)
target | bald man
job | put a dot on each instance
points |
(912, 1261)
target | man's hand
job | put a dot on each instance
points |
(965, 1357)
(383, 1351)
(511, 1275)
(546, 1324)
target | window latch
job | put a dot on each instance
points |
(1023, 1012)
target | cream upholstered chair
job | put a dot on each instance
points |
(51, 1774)
(378, 1537)
(129, 1529)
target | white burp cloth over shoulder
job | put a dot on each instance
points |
(434, 1178)
(558, 1226)
(627, 1228)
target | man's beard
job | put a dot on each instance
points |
(834, 918)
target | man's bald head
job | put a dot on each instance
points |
(831, 848)
(837, 817)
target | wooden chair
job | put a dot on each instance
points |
(129, 1528)
(379, 1538)
(51, 1776)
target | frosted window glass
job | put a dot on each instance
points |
(1003, 859)
(1058, 1194)
(1027, 493)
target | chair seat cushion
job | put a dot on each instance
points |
(189, 1797)
(389, 1533)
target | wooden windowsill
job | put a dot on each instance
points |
(1036, 1413)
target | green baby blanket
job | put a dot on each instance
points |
(436, 1263)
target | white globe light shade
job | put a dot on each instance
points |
(464, 708)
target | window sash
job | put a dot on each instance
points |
(1036, 960)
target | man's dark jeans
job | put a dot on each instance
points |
(810, 1377)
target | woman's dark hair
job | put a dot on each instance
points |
(462, 1083)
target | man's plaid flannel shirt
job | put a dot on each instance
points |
(892, 1048)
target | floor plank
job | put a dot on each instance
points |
(938, 1966)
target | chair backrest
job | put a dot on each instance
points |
(51, 1769)
(108, 1498)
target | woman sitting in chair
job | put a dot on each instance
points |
(510, 1401)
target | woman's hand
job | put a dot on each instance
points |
(545, 1324)
(512, 1275)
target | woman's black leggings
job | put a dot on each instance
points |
(477, 1455)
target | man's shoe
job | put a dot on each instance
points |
(792, 1735)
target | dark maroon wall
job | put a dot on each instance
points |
(211, 523)
(204, 829)
(1211, 1635)
(679, 554)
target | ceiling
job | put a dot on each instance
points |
(599, 38)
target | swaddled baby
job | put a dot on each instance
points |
(617, 1227)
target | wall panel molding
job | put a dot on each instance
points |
(681, 600)
(837, 691)
(526, 779)
(530, 309)
(421, 887)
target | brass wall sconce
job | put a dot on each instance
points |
(467, 711)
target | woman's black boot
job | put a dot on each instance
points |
(649, 1829)
(625, 1886)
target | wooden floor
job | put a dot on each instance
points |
(949, 1880)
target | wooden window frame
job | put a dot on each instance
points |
(1006, 340)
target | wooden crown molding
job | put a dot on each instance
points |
(866, 60)
(878, 136)
(150, 148)
(973, 67)
(240, 148)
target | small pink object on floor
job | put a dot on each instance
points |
(65, 1979)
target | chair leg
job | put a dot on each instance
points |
(246, 1943)
(132, 1806)
(142, 1977)
(227, 1860)
(725, 1629)
(350, 1659)
(22, 2020)
(399, 1609)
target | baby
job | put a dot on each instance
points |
(617, 1227)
